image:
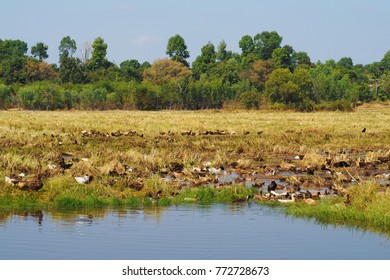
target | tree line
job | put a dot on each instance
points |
(265, 73)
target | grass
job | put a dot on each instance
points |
(370, 209)
(132, 170)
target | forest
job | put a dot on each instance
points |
(266, 74)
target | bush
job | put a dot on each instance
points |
(41, 97)
(250, 99)
(5, 97)
(337, 105)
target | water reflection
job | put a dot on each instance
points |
(195, 231)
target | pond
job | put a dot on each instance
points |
(216, 231)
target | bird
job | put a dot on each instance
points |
(272, 186)
(288, 200)
(83, 179)
(364, 130)
(32, 183)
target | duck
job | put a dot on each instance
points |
(316, 195)
(272, 186)
(288, 200)
(83, 179)
(31, 183)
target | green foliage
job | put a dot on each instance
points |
(281, 58)
(205, 61)
(266, 42)
(131, 70)
(72, 70)
(147, 97)
(98, 59)
(44, 96)
(177, 49)
(67, 48)
(218, 76)
(5, 96)
(40, 51)
(250, 99)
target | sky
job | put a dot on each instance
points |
(140, 29)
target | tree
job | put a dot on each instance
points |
(67, 48)
(246, 45)
(205, 61)
(165, 71)
(98, 59)
(40, 51)
(131, 69)
(177, 49)
(266, 42)
(293, 89)
(222, 54)
(281, 58)
(227, 71)
(300, 58)
(345, 62)
(12, 48)
(39, 71)
(258, 73)
(85, 52)
(72, 70)
(12, 61)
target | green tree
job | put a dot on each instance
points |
(205, 61)
(246, 45)
(177, 49)
(345, 62)
(300, 58)
(12, 48)
(98, 59)
(12, 61)
(222, 54)
(72, 70)
(293, 89)
(67, 48)
(39, 51)
(248, 54)
(281, 58)
(131, 69)
(266, 42)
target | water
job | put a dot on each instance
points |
(238, 231)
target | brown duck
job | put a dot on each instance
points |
(31, 183)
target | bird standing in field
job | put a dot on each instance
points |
(364, 130)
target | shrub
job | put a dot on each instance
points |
(250, 99)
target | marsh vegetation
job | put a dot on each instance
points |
(134, 158)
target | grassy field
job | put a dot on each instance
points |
(146, 158)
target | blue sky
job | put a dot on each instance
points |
(140, 29)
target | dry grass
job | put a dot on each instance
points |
(30, 140)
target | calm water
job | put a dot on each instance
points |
(186, 232)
